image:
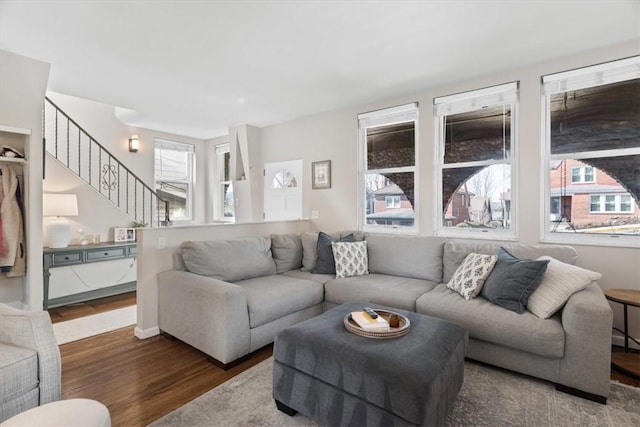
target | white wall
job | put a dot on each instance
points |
(23, 82)
(333, 136)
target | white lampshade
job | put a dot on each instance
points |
(59, 205)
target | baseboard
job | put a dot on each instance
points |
(143, 334)
(618, 340)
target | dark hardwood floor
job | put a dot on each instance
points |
(75, 311)
(142, 380)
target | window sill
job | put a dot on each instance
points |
(621, 241)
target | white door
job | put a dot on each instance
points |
(283, 190)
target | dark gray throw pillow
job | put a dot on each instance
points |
(513, 280)
(325, 264)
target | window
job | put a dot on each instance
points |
(582, 174)
(174, 164)
(387, 143)
(223, 206)
(392, 202)
(476, 134)
(592, 154)
(611, 203)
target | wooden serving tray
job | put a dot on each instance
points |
(401, 330)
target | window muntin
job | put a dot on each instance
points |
(387, 143)
(476, 172)
(223, 205)
(174, 164)
(592, 123)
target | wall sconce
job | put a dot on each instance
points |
(134, 143)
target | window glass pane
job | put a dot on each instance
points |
(391, 146)
(171, 165)
(176, 195)
(612, 204)
(227, 191)
(398, 187)
(598, 118)
(477, 197)
(227, 166)
(588, 174)
(483, 134)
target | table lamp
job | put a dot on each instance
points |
(58, 206)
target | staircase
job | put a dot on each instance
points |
(72, 146)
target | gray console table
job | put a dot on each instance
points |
(73, 255)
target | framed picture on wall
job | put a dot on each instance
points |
(124, 235)
(321, 175)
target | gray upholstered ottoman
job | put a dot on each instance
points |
(337, 378)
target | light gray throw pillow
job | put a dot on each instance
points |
(287, 251)
(559, 282)
(229, 260)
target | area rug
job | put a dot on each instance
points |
(88, 326)
(489, 397)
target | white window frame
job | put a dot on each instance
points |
(583, 174)
(504, 94)
(385, 117)
(164, 144)
(581, 78)
(219, 182)
(602, 203)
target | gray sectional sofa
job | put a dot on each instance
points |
(230, 298)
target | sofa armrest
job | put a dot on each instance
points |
(587, 320)
(33, 330)
(209, 314)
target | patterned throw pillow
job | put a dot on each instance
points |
(470, 276)
(351, 258)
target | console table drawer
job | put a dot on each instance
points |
(106, 254)
(68, 258)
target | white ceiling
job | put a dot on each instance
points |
(195, 68)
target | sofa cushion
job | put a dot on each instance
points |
(351, 258)
(229, 260)
(273, 297)
(419, 257)
(513, 280)
(491, 323)
(455, 252)
(287, 251)
(18, 371)
(470, 276)
(559, 282)
(394, 291)
(325, 263)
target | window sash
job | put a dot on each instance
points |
(386, 117)
(583, 78)
(506, 94)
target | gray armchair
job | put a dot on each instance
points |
(30, 368)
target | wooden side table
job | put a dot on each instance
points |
(627, 362)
